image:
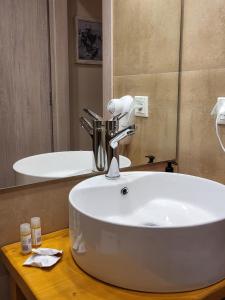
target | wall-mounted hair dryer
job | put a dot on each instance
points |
(219, 112)
(124, 107)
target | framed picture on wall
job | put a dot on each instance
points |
(88, 41)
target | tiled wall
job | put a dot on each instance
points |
(146, 62)
(48, 200)
(202, 81)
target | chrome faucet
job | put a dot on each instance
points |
(113, 157)
(105, 141)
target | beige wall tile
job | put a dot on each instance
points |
(199, 150)
(156, 134)
(48, 200)
(203, 34)
(146, 36)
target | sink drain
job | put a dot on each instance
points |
(124, 191)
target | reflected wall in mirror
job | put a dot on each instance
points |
(34, 98)
(146, 44)
(44, 90)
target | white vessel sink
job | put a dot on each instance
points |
(55, 165)
(167, 234)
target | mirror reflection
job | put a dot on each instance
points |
(52, 70)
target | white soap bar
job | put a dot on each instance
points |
(42, 261)
(46, 251)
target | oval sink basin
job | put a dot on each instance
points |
(55, 165)
(149, 231)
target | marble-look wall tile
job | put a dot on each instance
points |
(160, 128)
(49, 201)
(199, 151)
(203, 34)
(146, 36)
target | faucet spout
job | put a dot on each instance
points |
(121, 135)
(113, 170)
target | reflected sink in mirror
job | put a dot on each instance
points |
(56, 165)
(127, 60)
(149, 231)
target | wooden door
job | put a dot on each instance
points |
(25, 111)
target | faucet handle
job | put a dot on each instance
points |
(87, 125)
(119, 116)
(122, 115)
(92, 114)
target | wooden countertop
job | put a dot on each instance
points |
(67, 281)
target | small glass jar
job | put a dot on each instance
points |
(36, 231)
(25, 238)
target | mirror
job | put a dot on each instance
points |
(146, 39)
(46, 82)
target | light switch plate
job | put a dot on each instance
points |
(141, 106)
(219, 111)
(221, 120)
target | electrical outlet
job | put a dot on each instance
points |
(141, 106)
(219, 110)
(221, 120)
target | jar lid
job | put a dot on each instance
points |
(35, 222)
(25, 228)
